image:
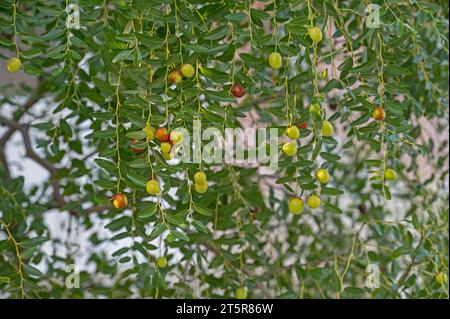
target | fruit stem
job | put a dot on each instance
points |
(117, 128)
(14, 27)
(274, 24)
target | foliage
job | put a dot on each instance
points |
(101, 84)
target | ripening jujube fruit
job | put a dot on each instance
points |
(150, 132)
(313, 201)
(293, 132)
(379, 114)
(303, 125)
(13, 65)
(161, 262)
(165, 147)
(275, 60)
(175, 76)
(135, 149)
(241, 293)
(187, 70)
(296, 205)
(315, 107)
(200, 188)
(120, 200)
(390, 174)
(162, 134)
(323, 176)
(152, 187)
(327, 128)
(168, 156)
(176, 137)
(290, 149)
(238, 90)
(441, 278)
(200, 177)
(315, 34)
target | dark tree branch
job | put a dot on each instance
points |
(46, 164)
(30, 153)
(413, 261)
(32, 99)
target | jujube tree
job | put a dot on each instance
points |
(357, 91)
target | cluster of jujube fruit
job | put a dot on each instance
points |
(169, 140)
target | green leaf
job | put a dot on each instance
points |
(365, 67)
(332, 208)
(179, 235)
(200, 226)
(203, 210)
(118, 223)
(331, 191)
(330, 157)
(137, 179)
(158, 230)
(122, 56)
(105, 184)
(217, 34)
(106, 164)
(120, 251)
(36, 241)
(219, 96)
(32, 271)
(148, 211)
(138, 135)
(32, 70)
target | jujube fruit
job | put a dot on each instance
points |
(13, 65)
(187, 70)
(176, 137)
(238, 90)
(327, 128)
(200, 178)
(168, 156)
(152, 187)
(150, 132)
(275, 60)
(135, 149)
(313, 201)
(162, 134)
(161, 262)
(293, 132)
(290, 149)
(323, 176)
(175, 77)
(315, 34)
(315, 107)
(200, 188)
(241, 293)
(120, 200)
(166, 147)
(303, 125)
(379, 114)
(296, 205)
(441, 278)
(390, 174)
